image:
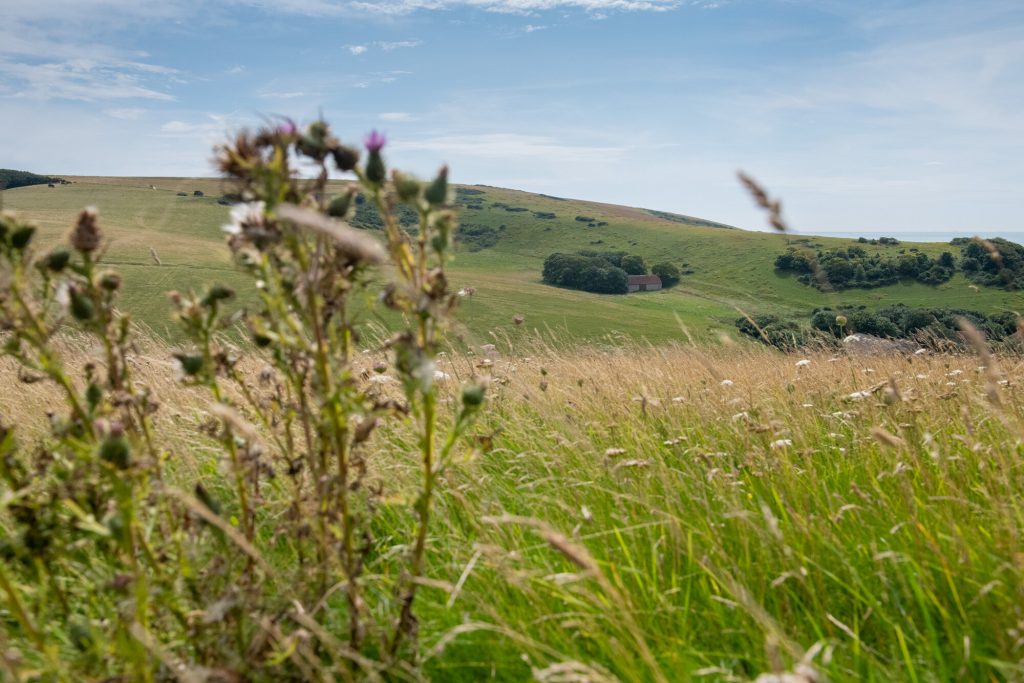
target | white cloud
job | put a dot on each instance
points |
(401, 7)
(400, 44)
(126, 114)
(396, 116)
(514, 147)
(357, 49)
(282, 95)
(81, 79)
(530, 28)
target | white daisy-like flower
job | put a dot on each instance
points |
(803, 363)
(726, 382)
(782, 443)
(441, 376)
(247, 213)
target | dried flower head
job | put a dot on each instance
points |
(85, 236)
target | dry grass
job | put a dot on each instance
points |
(680, 513)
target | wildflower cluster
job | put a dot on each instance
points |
(143, 572)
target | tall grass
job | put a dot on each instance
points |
(676, 513)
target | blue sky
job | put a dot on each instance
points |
(890, 115)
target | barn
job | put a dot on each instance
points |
(643, 283)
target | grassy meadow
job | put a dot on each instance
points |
(675, 513)
(732, 269)
(598, 494)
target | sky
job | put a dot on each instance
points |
(884, 116)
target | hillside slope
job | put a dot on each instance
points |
(731, 269)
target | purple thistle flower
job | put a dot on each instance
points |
(375, 141)
(287, 127)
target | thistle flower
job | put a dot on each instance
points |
(287, 128)
(375, 141)
(86, 235)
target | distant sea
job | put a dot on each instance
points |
(923, 235)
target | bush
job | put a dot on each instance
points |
(633, 265)
(197, 193)
(586, 271)
(1003, 267)
(854, 267)
(668, 273)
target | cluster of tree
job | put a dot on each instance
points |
(979, 265)
(854, 267)
(367, 217)
(604, 272)
(588, 273)
(903, 322)
(470, 198)
(928, 326)
(477, 236)
(10, 179)
(887, 241)
(785, 335)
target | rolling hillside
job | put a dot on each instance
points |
(731, 269)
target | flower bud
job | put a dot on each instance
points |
(116, 451)
(81, 307)
(345, 157)
(841, 320)
(110, 281)
(407, 186)
(472, 396)
(437, 193)
(57, 260)
(86, 235)
(340, 205)
(22, 236)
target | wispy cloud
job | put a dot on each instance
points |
(282, 95)
(514, 146)
(357, 49)
(126, 114)
(396, 116)
(82, 79)
(530, 28)
(399, 45)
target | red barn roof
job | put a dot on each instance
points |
(644, 279)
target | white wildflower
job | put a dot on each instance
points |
(678, 399)
(781, 443)
(726, 382)
(802, 363)
(248, 213)
(379, 379)
(858, 395)
(611, 452)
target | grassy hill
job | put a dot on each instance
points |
(732, 269)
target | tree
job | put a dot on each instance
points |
(633, 265)
(668, 273)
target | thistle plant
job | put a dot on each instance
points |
(120, 566)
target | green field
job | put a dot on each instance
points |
(732, 269)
